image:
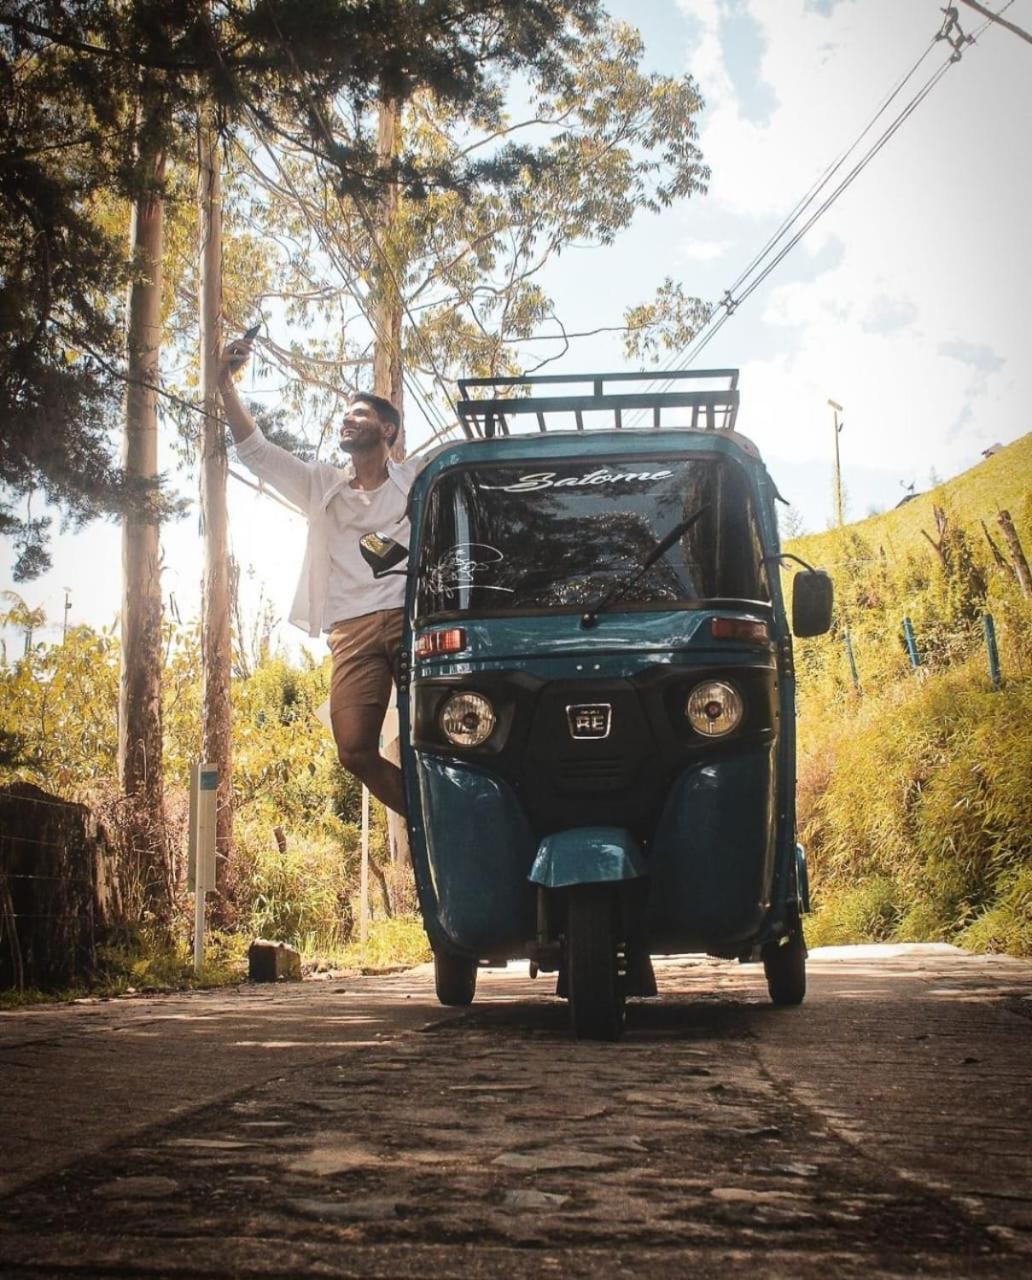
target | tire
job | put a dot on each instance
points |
(593, 963)
(455, 978)
(785, 969)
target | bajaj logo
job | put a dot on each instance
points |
(590, 721)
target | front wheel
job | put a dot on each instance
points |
(455, 978)
(784, 964)
(593, 961)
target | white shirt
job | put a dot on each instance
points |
(352, 590)
(312, 486)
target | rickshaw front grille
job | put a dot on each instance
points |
(601, 771)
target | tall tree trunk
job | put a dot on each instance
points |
(387, 374)
(387, 305)
(139, 703)
(216, 647)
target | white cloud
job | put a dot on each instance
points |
(932, 257)
(704, 250)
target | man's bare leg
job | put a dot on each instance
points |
(356, 731)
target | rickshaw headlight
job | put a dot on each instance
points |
(467, 719)
(714, 708)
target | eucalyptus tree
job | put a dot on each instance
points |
(71, 76)
(445, 276)
(98, 96)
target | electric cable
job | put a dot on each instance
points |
(729, 303)
(829, 172)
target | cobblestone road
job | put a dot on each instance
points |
(353, 1128)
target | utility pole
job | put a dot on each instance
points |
(67, 606)
(836, 410)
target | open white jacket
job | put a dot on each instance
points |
(311, 486)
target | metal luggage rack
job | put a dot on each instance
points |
(713, 407)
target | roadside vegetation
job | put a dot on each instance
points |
(914, 797)
(295, 872)
(914, 800)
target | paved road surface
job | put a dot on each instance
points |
(353, 1128)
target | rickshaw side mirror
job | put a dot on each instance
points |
(812, 596)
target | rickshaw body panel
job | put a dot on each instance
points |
(716, 843)
(478, 852)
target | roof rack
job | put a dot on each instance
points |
(488, 416)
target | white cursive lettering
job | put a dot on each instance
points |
(547, 480)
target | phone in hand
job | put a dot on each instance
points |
(235, 362)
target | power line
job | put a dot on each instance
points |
(829, 172)
(730, 303)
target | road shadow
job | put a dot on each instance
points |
(694, 1017)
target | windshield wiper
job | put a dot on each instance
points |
(660, 549)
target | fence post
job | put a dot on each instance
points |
(852, 660)
(990, 643)
(908, 636)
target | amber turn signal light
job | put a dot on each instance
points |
(431, 644)
(750, 629)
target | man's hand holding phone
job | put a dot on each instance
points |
(234, 356)
(237, 353)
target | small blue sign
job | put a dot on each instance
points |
(209, 779)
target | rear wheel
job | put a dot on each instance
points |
(455, 978)
(784, 964)
(594, 954)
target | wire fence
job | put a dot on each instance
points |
(917, 655)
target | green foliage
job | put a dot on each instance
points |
(913, 791)
(913, 805)
(397, 941)
(97, 93)
(141, 961)
(296, 858)
(865, 912)
(60, 703)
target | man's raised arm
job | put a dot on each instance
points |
(234, 357)
(285, 472)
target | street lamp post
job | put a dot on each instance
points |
(836, 410)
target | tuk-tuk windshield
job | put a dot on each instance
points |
(558, 534)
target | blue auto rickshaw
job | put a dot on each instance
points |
(597, 691)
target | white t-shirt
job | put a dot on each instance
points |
(352, 590)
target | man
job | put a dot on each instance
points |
(337, 593)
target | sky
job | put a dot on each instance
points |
(906, 303)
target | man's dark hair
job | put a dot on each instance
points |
(385, 411)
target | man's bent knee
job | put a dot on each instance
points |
(361, 761)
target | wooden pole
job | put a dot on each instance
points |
(216, 649)
(363, 901)
(1017, 553)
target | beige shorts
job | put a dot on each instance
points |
(365, 656)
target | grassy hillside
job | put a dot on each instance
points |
(914, 785)
(1003, 481)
